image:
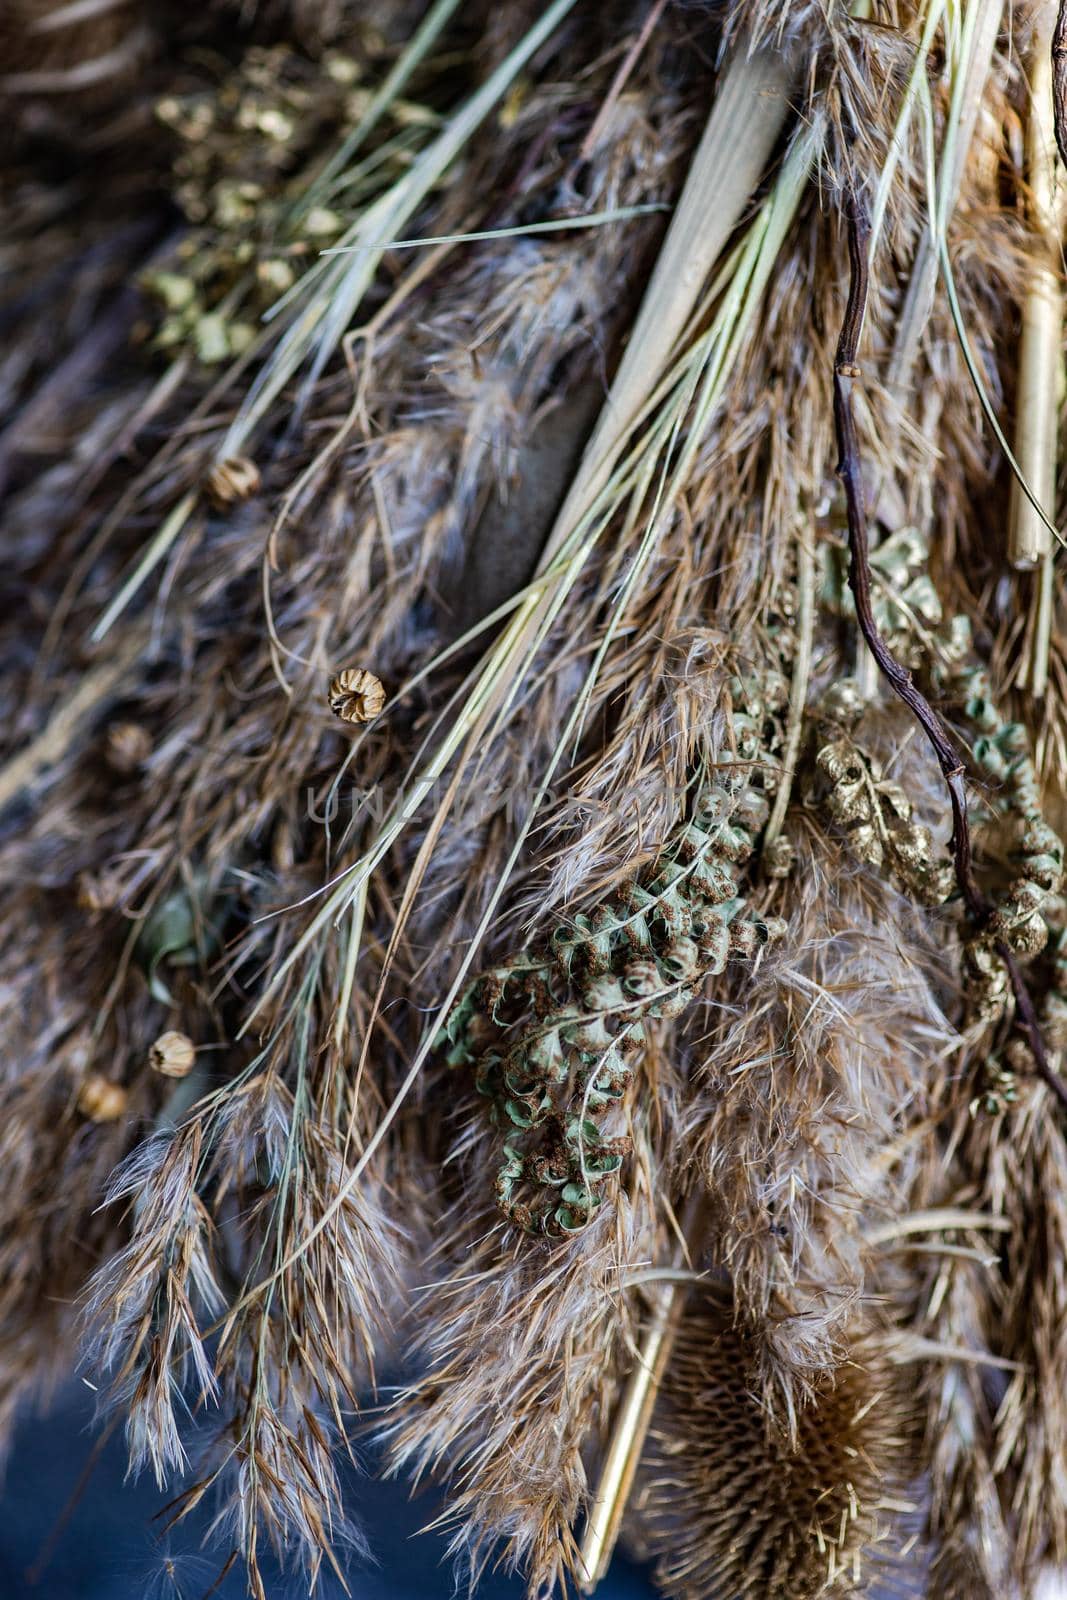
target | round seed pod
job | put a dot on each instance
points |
(236, 478)
(356, 695)
(101, 1100)
(173, 1055)
(129, 745)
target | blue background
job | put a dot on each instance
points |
(113, 1546)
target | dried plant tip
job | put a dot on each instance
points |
(101, 1100)
(173, 1054)
(356, 695)
(777, 858)
(236, 478)
(97, 891)
(129, 744)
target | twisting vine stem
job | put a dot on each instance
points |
(850, 471)
(1059, 80)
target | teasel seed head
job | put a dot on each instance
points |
(356, 695)
(729, 1505)
(173, 1054)
(236, 478)
(101, 1100)
(129, 744)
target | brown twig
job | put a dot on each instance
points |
(1059, 80)
(618, 84)
(953, 770)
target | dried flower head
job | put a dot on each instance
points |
(356, 695)
(129, 744)
(173, 1054)
(236, 478)
(101, 1100)
(730, 1506)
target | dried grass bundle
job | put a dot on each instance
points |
(533, 773)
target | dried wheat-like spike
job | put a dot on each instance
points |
(173, 1055)
(356, 695)
(231, 480)
(730, 1506)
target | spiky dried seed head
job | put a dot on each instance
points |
(173, 1054)
(730, 1506)
(356, 695)
(129, 745)
(236, 478)
(101, 1100)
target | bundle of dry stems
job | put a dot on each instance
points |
(536, 758)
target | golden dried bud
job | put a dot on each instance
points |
(97, 891)
(231, 480)
(356, 695)
(101, 1100)
(173, 1054)
(778, 857)
(129, 744)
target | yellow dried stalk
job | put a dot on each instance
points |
(1040, 356)
(1040, 360)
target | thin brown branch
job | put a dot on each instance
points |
(618, 84)
(953, 770)
(1059, 80)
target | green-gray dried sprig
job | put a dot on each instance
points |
(245, 148)
(874, 813)
(1028, 851)
(553, 1036)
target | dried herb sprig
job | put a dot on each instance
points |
(875, 814)
(849, 470)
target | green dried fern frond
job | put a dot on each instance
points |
(552, 1036)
